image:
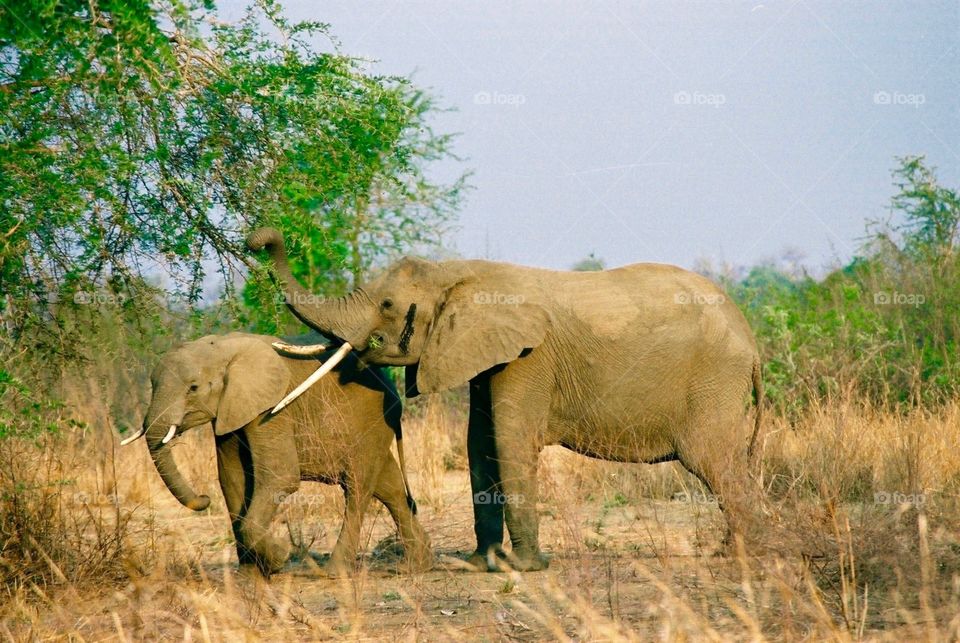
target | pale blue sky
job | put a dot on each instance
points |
(667, 131)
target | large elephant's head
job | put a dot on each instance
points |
(228, 380)
(447, 318)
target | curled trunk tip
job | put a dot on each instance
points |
(173, 479)
(264, 238)
(199, 503)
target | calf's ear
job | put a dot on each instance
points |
(256, 379)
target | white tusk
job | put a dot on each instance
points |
(295, 349)
(325, 368)
(169, 436)
(136, 436)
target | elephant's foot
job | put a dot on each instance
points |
(268, 560)
(338, 567)
(416, 561)
(497, 560)
(526, 562)
(486, 560)
(267, 553)
(478, 562)
(260, 566)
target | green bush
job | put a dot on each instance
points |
(885, 326)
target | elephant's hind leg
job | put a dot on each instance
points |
(357, 489)
(391, 492)
(717, 455)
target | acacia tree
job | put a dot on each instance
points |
(139, 140)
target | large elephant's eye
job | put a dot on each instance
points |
(193, 388)
(386, 304)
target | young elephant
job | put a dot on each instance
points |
(339, 433)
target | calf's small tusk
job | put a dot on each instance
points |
(169, 436)
(136, 436)
(325, 368)
(295, 349)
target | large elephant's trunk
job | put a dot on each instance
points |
(169, 473)
(348, 318)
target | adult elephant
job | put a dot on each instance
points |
(645, 363)
(339, 432)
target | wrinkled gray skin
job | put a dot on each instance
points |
(338, 432)
(645, 363)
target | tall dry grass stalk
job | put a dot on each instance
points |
(431, 451)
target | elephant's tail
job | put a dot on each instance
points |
(403, 472)
(757, 376)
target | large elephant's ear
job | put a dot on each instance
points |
(255, 380)
(474, 330)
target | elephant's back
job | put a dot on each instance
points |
(646, 299)
(340, 418)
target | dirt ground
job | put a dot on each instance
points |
(611, 562)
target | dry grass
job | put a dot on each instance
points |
(632, 546)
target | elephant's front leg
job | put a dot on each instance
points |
(520, 420)
(232, 484)
(484, 476)
(268, 456)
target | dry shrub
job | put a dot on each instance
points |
(868, 499)
(435, 442)
(57, 524)
(432, 451)
(852, 451)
